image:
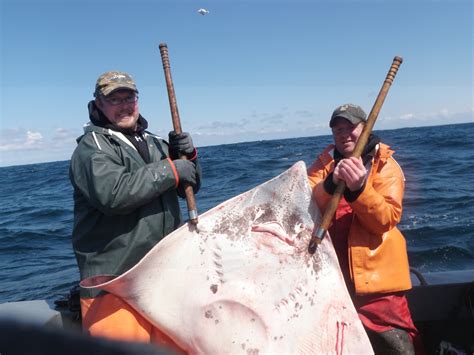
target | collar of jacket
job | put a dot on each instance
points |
(330, 154)
(92, 128)
(385, 152)
(381, 154)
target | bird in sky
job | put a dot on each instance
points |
(203, 11)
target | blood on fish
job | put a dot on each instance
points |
(340, 337)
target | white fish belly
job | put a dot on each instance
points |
(244, 282)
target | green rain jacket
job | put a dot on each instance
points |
(122, 206)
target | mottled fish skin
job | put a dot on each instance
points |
(245, 283)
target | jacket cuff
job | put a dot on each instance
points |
(193, 156)
(329, 185)
(175, 172)
(351, 196)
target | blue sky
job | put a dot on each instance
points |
(249, 70)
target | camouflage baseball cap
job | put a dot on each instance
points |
(112, 81)
(353, 113)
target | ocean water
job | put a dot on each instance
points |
(36, 208)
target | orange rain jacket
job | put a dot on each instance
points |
(378, 259)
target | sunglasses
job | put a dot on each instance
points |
(115, 101)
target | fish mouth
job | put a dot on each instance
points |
(273, 236)
(273, 229)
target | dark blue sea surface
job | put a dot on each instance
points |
(36, 208)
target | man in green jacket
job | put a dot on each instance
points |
(126, 186)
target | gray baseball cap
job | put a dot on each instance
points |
(353, 113)
(112, 81)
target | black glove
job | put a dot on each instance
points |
(186, 171)
(180, 144)
(368, 152)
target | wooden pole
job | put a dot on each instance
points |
(188, 189)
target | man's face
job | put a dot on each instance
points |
(345, 135)
(120, 108)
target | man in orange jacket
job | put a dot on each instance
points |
(371, 250)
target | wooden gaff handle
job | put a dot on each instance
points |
(362, 141)
(188, 189)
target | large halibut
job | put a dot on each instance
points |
(245, 282)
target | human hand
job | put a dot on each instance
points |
(186, 170)
(180, 144)
(352, 171)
